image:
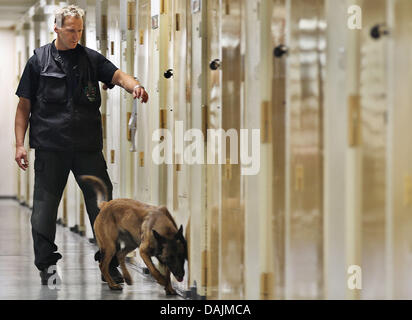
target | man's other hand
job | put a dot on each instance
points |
(21, 154)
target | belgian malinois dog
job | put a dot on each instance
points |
(125, 224)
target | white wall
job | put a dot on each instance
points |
(8, 85)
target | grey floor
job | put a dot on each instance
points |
(19, 278)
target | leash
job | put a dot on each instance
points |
(133, 126)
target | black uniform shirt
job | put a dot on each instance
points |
(30, 78)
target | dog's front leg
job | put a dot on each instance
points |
(153, 271)
(168, 288)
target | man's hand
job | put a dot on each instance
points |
(140, 93)
(21, 154)
(129, 84)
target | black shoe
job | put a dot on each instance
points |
(45, 276)
(115, 274)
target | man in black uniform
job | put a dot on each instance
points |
(59, 94)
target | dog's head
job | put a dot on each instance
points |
(173, 253)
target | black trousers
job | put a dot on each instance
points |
(51, 172)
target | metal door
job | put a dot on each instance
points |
(143, 135)
(373, 139)
(304, 148)
(399, 168)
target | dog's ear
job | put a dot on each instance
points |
(158, 237)
(179, 234)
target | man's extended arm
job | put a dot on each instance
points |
(129, 84)
(20, 127)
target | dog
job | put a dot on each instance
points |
(126, 224)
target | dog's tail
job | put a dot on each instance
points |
(99, 187)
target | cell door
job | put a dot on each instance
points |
(196, 22)
(126, 10)
(399, 166)
(113, 125)
(143, 135)
(374, 139)
(153, 113)
(212, 117)
(273, 126)
(178, 193)
(180, 120)
(304, 147)
(232, 235)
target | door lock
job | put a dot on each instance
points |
(168, 74)
(280, 51)
(215, 64)
(378, 31)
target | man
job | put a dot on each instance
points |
(59, 94)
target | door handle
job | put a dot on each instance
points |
(168, 74)
(215, 64)
(378, 31)
(280, 51)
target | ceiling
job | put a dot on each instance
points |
(12, 10)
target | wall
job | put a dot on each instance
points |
(8, 85)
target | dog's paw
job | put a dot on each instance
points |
(170, 292)
(116, 287)
(129, 281)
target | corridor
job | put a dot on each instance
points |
(20, 280)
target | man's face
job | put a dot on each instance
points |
(70, 33)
